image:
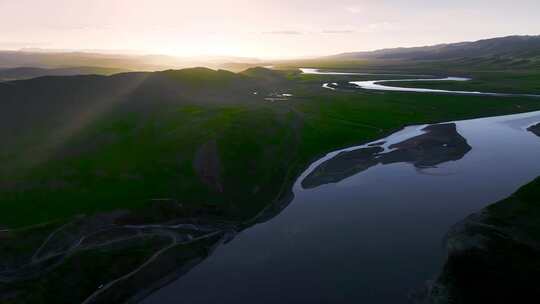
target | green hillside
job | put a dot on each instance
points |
(86, 144)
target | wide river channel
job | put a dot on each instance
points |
(367, 223)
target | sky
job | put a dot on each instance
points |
(257, 28)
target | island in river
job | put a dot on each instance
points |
(439, 144)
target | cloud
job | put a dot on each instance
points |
(283, 33)
(338, 31)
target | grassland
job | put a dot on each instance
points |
(487, 74)
(86, 147)
(497, 82)
(125, 158)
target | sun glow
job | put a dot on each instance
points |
(256, 28)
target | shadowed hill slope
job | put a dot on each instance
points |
(494, 255)
(132, 137)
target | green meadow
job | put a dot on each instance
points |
(128, 156)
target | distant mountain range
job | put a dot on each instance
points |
(54, 59)
(526, 47)
(31, 72)
(504, 52)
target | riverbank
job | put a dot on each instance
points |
(494, 255)
(389, 241)
(405, 83)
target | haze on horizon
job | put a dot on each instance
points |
(257, 28)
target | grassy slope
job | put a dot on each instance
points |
(523, 207)
(64, 285)
(139, 150)
(122, 159)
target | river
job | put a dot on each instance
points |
(367, 223)
(383, 85)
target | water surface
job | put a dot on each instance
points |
(383, 85)
(367, 223)
(319, 72)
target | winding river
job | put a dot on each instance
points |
(367, 223)
(382, 85)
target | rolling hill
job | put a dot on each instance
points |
(55, 59)
(20, 73)
(87, 155)
(113, 142)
